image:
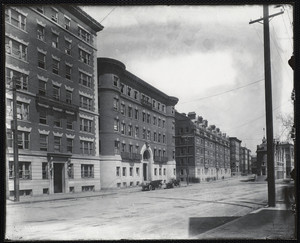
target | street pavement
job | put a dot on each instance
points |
(216, 210)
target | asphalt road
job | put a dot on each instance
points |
(159, 214)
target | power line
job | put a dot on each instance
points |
(206, 97)
(108, 14)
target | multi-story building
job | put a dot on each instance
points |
(245, 160)
(283, 159)
(137, 128)
(235, 145)
(202, 151)
(51, 58)
(254, 164)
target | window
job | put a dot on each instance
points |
(128, 91)
(155, 171)
(85, 80)
(136, 134)
(42, 87)
(144, 117)
(148, 135)
(117, 147)
(56, 121)
(55, 66)
(24, 170)
(122, 88)
(86, 147)
(153, 103)
(68, 47)
(45, 170)
(40, 32)
(43, 142)
(116, 125)
(130, 130)
(164, 171)
(68, 72)
(84, 35)
(118, 171)
(130, 148)
(23, 140)
(54, 40)
(43, 117)
(144, 133)
(159, 122)
(69, 123)
(137, 171)
(22, 111)
(9, 138)
(137, 148)
(123, 147)
(136, 114)
(56, 92)
(129, 111)
(41, 60)
(116, 81)
(54, 15)
(154, 120)
(20, 79)
(69, 96)
(57, 144)
(67, 23)
(116, 104)
(40, 9)
(124, 171)
(163, 108)
(123, 128)
(86, 103)
(122, 109)
(16, 49)
(87, 171)
(148, 118)
(164, 138)
(69, 145)
(163, 123)
(154, 136)
(15, 18)
(130, 171)
(158, 106)
(85, 125)
(84, 57)
(159, 171)
(136, 95)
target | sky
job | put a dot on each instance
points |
(209, 57)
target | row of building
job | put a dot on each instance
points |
(86, 123)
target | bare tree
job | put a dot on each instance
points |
(286, 124)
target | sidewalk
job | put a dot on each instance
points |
(265, 223)
(71, 196)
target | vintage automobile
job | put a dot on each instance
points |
(152, 185)
(248, 178)
(172, 183)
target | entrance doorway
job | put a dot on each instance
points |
(145, 171)
(58, 177)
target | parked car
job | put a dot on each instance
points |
(249, 178)
(152, 185)
(172, 183)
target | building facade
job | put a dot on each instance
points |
(51, 58)
(202, 151)
(283, 159)
(245, 159)
(137, 128)
(235, 160)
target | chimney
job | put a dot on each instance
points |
(192, 115)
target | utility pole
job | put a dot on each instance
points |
(14, 126)
(268, 101)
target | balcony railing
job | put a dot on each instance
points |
(146, 103)
(131, 157)
(57, 103)
(159, 159)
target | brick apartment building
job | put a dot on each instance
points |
(202, 151)
(137, 128)
(235, 160)
(51, 57)
(245, 160)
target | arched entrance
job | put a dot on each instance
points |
(147, 160)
